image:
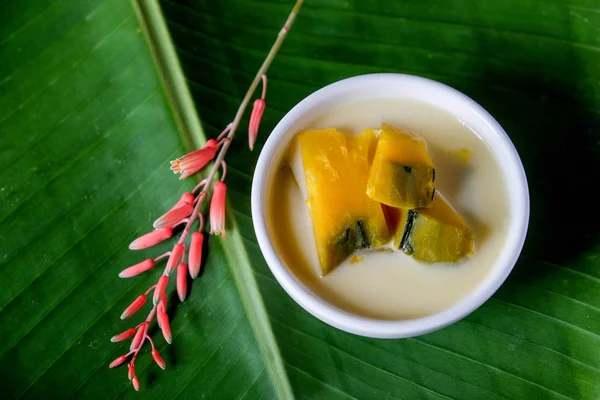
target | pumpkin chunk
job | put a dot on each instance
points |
(402, 173)
(334, 180)
(434, 234)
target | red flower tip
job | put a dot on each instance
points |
(255, 117)
(161, 363)
(174, 216)
(118, 361)
(211, 143)
(194, 161)
(217, 209)
(160, 288)
(176, 254)
(257, 112)
(151, 238)
(122, 336)
(134, 307)
(182, 281)
(139, 337)
(137, 269)
(163, 319)
(195, 254)
(136, 383)
(160, 310)
(130, 371)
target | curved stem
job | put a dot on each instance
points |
(264, 81)
(201, 222)
(198, 186)
(224, 166)
(167, 254)
(150, 340)
(151, 315)
(225, 131)
(220, 143)
(150, 288)
(240, 112)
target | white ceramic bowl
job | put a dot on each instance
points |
(392, 86)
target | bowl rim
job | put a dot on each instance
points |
(372, 327)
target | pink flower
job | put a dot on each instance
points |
(255, 117)
(137, 269)
(195, 254)
(130, 371)
(176, 254)
(163, 322)
(257, 112)
(217, 209)
(174, 216)
(136, 383)
(160, 310)
(181, 281)
(163, 281)
(151, 238)
(161, 363)
(178, 212)
(134, 307)
(139, 337)
(194, 161)
(122, 336)
(118, 361)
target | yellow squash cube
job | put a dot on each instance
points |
(402, 173)
(336, 170)
(434, 234)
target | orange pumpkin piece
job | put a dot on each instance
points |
(402, 173)
(335, 174)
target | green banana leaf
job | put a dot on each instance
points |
(98, 95)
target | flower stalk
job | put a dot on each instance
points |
(185, 212)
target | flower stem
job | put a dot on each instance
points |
(240, 112)
(151, 314)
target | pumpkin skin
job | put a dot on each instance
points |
(335, 175)
(434, 234)
(402, 173)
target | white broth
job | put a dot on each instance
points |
(388, 284)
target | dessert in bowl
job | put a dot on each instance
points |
(389, 205)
